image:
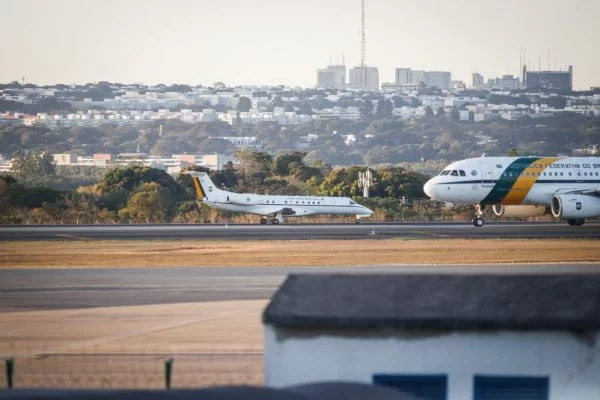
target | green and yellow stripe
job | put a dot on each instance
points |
(526, 179)
(198, 186)
(517, 180)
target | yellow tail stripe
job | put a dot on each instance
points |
(525, 182)
(199, 191)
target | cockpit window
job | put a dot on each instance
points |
(462, 173)
(445, 172)
(454, 173)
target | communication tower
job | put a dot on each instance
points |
(365, 181)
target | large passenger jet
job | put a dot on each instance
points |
(274, 207)
(567, 187)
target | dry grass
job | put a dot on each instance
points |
(293, 253)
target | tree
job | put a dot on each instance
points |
(441, 112)
(384, 109)
(513, 152)
(34, 167)
(366, 111)
(282, 163)
(305, 109)
(244, 104)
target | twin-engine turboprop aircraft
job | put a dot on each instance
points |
(274, 207)
(567, 187)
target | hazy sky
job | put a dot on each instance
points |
(285, 41)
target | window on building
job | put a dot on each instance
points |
(425, 387)
(510, 388)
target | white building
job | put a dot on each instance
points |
(478, 82)
(454, 337)
(403, 76)
(364, 78)
(334, 76)
(439, 79)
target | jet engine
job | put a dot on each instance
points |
(575, 206)
(518, 211)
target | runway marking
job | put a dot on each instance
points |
(70, 236)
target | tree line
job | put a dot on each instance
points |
(138, 194)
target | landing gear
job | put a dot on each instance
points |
(357, 221)
(263, 221)
(478, 220)
(278, 219)
(576, 222)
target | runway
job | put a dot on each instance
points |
(48, 289)
(301, 231)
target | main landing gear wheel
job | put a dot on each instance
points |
(358, 221)
(275, 221)
(478, 221)
(263, 221)
(576, 222)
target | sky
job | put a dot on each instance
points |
(283, 42)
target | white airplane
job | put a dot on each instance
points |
(566, 187)
(275, 207)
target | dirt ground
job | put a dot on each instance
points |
(293, 253)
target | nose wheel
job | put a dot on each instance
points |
(478, 220)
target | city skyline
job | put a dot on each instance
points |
(281, 42)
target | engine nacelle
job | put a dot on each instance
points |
(518, 211)
(575, 206)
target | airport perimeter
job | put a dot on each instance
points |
(105, 325)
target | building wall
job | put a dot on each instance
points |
(572, 363)
(372, 75)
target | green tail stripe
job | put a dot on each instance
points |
(506, 182)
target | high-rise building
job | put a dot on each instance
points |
(416, 77)
(403, 76)
(557, 80)
(332, 77)
(364, 78)
(478, 82)
(507, 82)
(439, 79)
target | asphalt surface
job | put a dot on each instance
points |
(300, 231)
(47, 289)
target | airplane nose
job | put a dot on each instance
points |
(428, 188)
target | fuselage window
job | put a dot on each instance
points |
(510, 174)
(454, 173)
(473, 172)
(462, 173)
(585, 174)
(570, 174)
(561, 174)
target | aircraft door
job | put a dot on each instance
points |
(578, 176)
(487, 178)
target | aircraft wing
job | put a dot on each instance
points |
(590, 191)
(285, 211)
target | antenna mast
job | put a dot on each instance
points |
(363, 46)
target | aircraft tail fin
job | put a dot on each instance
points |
(203, 185)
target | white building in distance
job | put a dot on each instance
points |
(367, 78)
(332, 77)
